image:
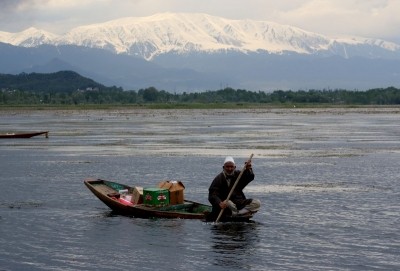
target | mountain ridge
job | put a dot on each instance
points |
(180, 33)
(192, 52)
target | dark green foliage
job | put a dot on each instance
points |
(379, 96)
(69, 88)
(63, 81)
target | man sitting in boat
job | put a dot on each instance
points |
(222, 185)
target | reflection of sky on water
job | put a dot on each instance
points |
(266, 133)
(328, 181)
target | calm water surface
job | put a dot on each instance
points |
(328, 181)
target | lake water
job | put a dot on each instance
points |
(328, 180)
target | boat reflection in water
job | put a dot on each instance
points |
(232, 242)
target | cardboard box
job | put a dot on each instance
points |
(176, 191)
(155, 196)
(137, 195)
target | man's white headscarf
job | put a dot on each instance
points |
(228, 176)
(229, 159)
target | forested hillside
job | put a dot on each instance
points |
(62, 81)
(69, 88)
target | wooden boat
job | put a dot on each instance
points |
(24, 135)
(108, 193)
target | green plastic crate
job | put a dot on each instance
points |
(155, 196)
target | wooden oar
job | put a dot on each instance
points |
(233, 187)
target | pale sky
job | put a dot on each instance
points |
(334, 18)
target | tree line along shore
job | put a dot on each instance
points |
(227, 96)
(70, 89)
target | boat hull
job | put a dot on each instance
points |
(107, 192)
(24, 135)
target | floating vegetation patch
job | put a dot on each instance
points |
(306, 187)
(66, 162)
(21, 204)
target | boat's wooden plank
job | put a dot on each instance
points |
(104, 189)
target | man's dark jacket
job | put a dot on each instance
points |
(219, 191)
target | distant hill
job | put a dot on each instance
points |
(62, 81)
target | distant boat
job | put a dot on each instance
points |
(24, 135)
(108, 193)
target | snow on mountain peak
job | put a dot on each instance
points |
(162, 33)
(179, 32)
(30, 37)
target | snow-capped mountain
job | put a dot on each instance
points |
(179, 33)
(30, 37)
(186, 52)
